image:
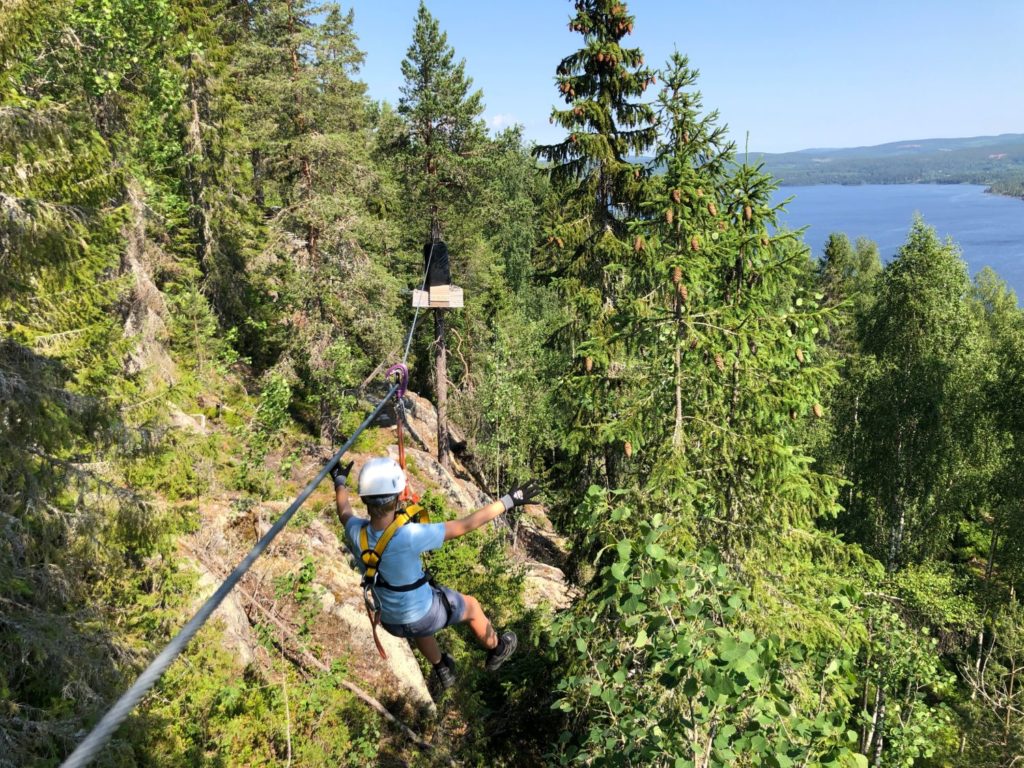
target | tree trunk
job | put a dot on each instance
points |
(880, 734)
(256, 158)
(200, 208)
(869, 736)
(677, 361)
(441, 383)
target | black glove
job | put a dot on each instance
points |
(339, 472)
(520, 495)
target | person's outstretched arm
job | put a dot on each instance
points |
(514, 498)
(340, 475)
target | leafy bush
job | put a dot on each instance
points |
(659, 669)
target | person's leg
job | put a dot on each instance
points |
(428, 647)
(478, 622)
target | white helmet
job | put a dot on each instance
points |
(381, 477)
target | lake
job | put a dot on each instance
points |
(988, 228)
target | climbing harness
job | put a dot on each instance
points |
(371, 557)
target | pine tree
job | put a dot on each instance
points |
(440, 155)
(444, 129)
(310, 153)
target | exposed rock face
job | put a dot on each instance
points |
(546, 584)
(343, 629)
(543, 553)
(462, 494)
(238, 635)
(343, 599)
(181, 420)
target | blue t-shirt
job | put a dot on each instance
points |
(400, 565)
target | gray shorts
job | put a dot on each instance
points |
(448, 607)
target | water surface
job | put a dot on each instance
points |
(988, 228)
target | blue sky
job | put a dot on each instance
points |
(795, 74)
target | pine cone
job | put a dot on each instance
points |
(799, 354)
(684, 295)
(588, 363)
(628, 447)
(694, 244)
(677, 274)
(748, 212)
(639, 244)
(719, 363)
(677, 196)
(669, 216)
(818, 413)
(712, 209)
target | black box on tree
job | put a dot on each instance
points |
(435, 261)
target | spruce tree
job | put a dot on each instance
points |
(599, 185)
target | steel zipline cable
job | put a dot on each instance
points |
(104, 729)
(416, 314)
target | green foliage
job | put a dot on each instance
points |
(263, 434)
(508, 413)
(904, 684)
(910, 426)
(198, 201)
(211, 712)
(659, 669)
(298, 585)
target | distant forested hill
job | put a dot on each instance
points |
(994, 160)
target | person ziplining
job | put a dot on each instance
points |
(400, 594)
(416, 608)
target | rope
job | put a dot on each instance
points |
(99, 736)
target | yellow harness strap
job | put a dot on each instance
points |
(371, 557)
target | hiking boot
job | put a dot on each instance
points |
(506, 647)
(444, 672)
